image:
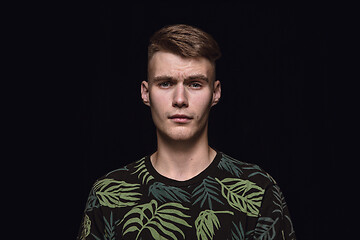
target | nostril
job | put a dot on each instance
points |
(180, 104)
(180, 99)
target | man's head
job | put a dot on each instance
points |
(185, 41)
(181, 86)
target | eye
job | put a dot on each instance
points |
(195, 85)
(164, 84)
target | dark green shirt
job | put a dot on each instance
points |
(230, 199)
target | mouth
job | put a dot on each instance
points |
(180, 118)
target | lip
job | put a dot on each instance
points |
(180, 118)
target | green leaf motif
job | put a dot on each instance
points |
(165, 193)
(109, 231)
(86, 225)
(207, 191)
(142, 171)
(292, 232)
(238, 232)
(265, 228)
(280, 200)
(242, 195)
(231, 165)
(92, 201)
(258, 171)
(112, 193)
(206, 223)
(161, 221)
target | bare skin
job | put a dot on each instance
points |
(180, 93)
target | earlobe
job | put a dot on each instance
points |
(145, 92)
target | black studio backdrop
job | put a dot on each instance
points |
(275, 111)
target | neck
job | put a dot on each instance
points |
(182, 160)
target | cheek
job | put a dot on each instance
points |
(203, 105)
(158, 103)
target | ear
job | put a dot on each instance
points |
(216, 93)
(145, 93)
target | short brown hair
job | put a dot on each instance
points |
(186, 41)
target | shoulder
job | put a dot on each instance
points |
(247, 171)
(125, 172)
(118, 188)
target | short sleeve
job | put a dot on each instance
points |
(92, 224)
(274, 221)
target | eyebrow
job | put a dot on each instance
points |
(189, 78)
(197, 77)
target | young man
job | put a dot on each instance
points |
(186, 189)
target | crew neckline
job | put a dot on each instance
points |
(169, 181)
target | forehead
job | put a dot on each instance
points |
(165, 63)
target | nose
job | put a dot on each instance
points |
(180, 99)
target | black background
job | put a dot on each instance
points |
(276, 108)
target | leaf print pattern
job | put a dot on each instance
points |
(109, 228)
(292, 232)
(279, 200)
(258, 171)
(238, 232)
(92, 201)
(207, 192)
(231, 165)
(86, 226)
(228, 201)
(163, 193)
(113, 193)
(162, 221)
(242, 195)
(206, 223)
(265, 229)
(142, 171)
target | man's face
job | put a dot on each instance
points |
(180, 92)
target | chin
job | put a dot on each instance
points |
(179, 134)
(181, 138)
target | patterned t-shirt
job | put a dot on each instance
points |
(230, 199)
